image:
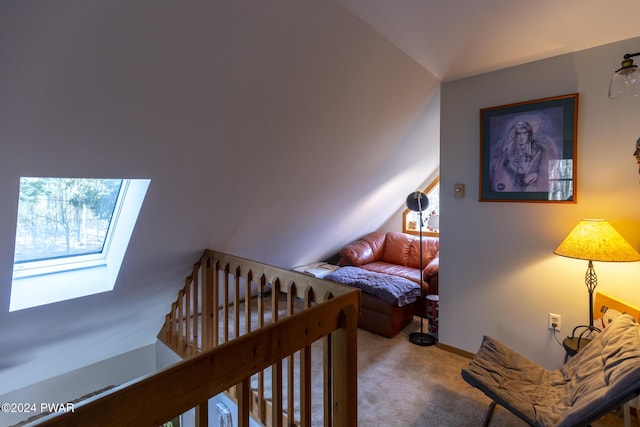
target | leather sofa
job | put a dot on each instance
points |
(396, 254)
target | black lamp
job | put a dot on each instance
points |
(625, 81)
(418, 202)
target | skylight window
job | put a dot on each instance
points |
(71, 236)
(62, 218)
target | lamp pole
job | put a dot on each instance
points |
(415, 202)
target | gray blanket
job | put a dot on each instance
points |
(392, 289)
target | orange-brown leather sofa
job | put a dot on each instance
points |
(396, 254)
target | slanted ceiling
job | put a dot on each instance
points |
(276, 131)
(477, 36)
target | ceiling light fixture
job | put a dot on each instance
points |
(625, 81)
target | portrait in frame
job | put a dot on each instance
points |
(528, 151)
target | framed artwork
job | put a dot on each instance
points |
(528, 151)
(430, 217)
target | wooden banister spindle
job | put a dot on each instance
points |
(202, 415)
(244, 399)
(197, 312)
(305, 371)
(291, 293)
(344, 377)
(247, 302)
(276, 368)
(187, 315)
(181, 321)
(215, 304)
(174, 323)
(261, 290)
(328, 374)
(225, 304)
(275, 297)
(236, 303)
(168, 327)
(205, 312)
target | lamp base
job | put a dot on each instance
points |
(422, 339)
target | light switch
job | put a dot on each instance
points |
(458, 190)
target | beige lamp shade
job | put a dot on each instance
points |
(596, 240)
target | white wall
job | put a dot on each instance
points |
(430, 127)
(498, 275)
(277, 131)
(73, 385)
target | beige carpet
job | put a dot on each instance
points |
(404, 385)
(401, 384)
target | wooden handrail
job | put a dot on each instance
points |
(159, 397)
(211, 366)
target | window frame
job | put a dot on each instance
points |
(75, 262)
(432, 187)
(81, 275)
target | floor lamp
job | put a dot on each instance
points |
(418, 202)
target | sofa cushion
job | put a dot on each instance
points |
(397, 248)
(430, 248)
(412, 274)
(365, 250)
(403, 249)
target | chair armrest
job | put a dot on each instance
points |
(430, 274)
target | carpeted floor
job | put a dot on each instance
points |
(404, 385)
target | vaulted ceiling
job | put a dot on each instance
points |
(273, 130)
(459, 38)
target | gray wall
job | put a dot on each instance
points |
(277, 131)
(498, 274)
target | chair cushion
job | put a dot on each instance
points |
(606, 370)
(603, 375)
(525, 388)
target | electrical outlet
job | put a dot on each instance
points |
(555, 321)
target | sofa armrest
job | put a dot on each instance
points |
(363, 251)
(430, 274)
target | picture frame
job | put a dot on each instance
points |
(528, 151)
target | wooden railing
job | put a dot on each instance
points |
(229, 325)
